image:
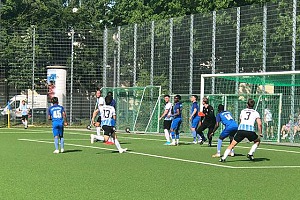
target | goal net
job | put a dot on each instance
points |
(137, 108)
(274, 92)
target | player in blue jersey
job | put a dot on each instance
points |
(23, 108)
(177, 119)
(231, 127)
(108, 120)
(194, 118)
(113, 102)
(57, 114)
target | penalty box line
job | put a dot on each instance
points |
(166, 157)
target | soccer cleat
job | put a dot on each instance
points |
(122, 150)
(232, 154)
(92, 138)
(62, 150)
(251, 157)
(222, 160)
(56, 151)
(194, 142)
(173, 144)
(167, 143)
(109, 143)
(200, 142)
(217, 155)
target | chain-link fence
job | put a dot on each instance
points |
(170, 53)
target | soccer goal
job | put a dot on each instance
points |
(137, 108)
(274, 92)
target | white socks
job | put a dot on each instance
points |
(99, 137)
(253, 148)
(117, 144)
(167, 135)
(226, 153)
(98, 129)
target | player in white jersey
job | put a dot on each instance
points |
(23, 108)
(246, 129)
(108, 120)
(167, 115)
(99, 102)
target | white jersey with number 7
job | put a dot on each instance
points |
(248, 117)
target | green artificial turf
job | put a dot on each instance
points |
(149, 170)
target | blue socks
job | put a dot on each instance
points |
(194, 135)
(219, 145)
(173, 135)
(62, 143)
(56, 143)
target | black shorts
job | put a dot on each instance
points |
(241, 134)
(167, 124)
(269, 123)
(24, 117)
(108, 130)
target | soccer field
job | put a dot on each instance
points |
(149, 170)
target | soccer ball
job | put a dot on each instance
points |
(127, 130)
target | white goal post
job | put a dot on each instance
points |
(278, 87)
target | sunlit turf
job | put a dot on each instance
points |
(149, 170)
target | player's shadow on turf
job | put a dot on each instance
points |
(255, 160)
(72, 151)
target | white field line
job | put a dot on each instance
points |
(149, 139)
(167, 158)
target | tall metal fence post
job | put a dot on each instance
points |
(71, 85)
(152, 54)
(191, 54)
(119, 57)
(104, 57)
(294, 38)
(237, 55)
(33, 66)
(134, 53)
(171, 57)
(213, 52)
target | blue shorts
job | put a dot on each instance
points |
(58, 129)
(195, 122)
(176, 124)
(230, 130)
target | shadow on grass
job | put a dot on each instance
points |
(72, 151)
(247, 160)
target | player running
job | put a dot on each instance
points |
(59, 119)
(246, 129)
(208, 122)
(230, 129)
(194, 118)
(177, 110)
(167, 118)
(108, 120)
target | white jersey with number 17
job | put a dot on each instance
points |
(248, 117)
(107, 113)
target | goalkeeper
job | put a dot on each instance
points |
(208, 122)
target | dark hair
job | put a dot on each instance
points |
(177, 97)
(205, 100)
(166, 95)
(54, 100)
(251, 103)
(220, 107)
(108, 99)
(98, 89)
(196, 97)
(109, 93)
